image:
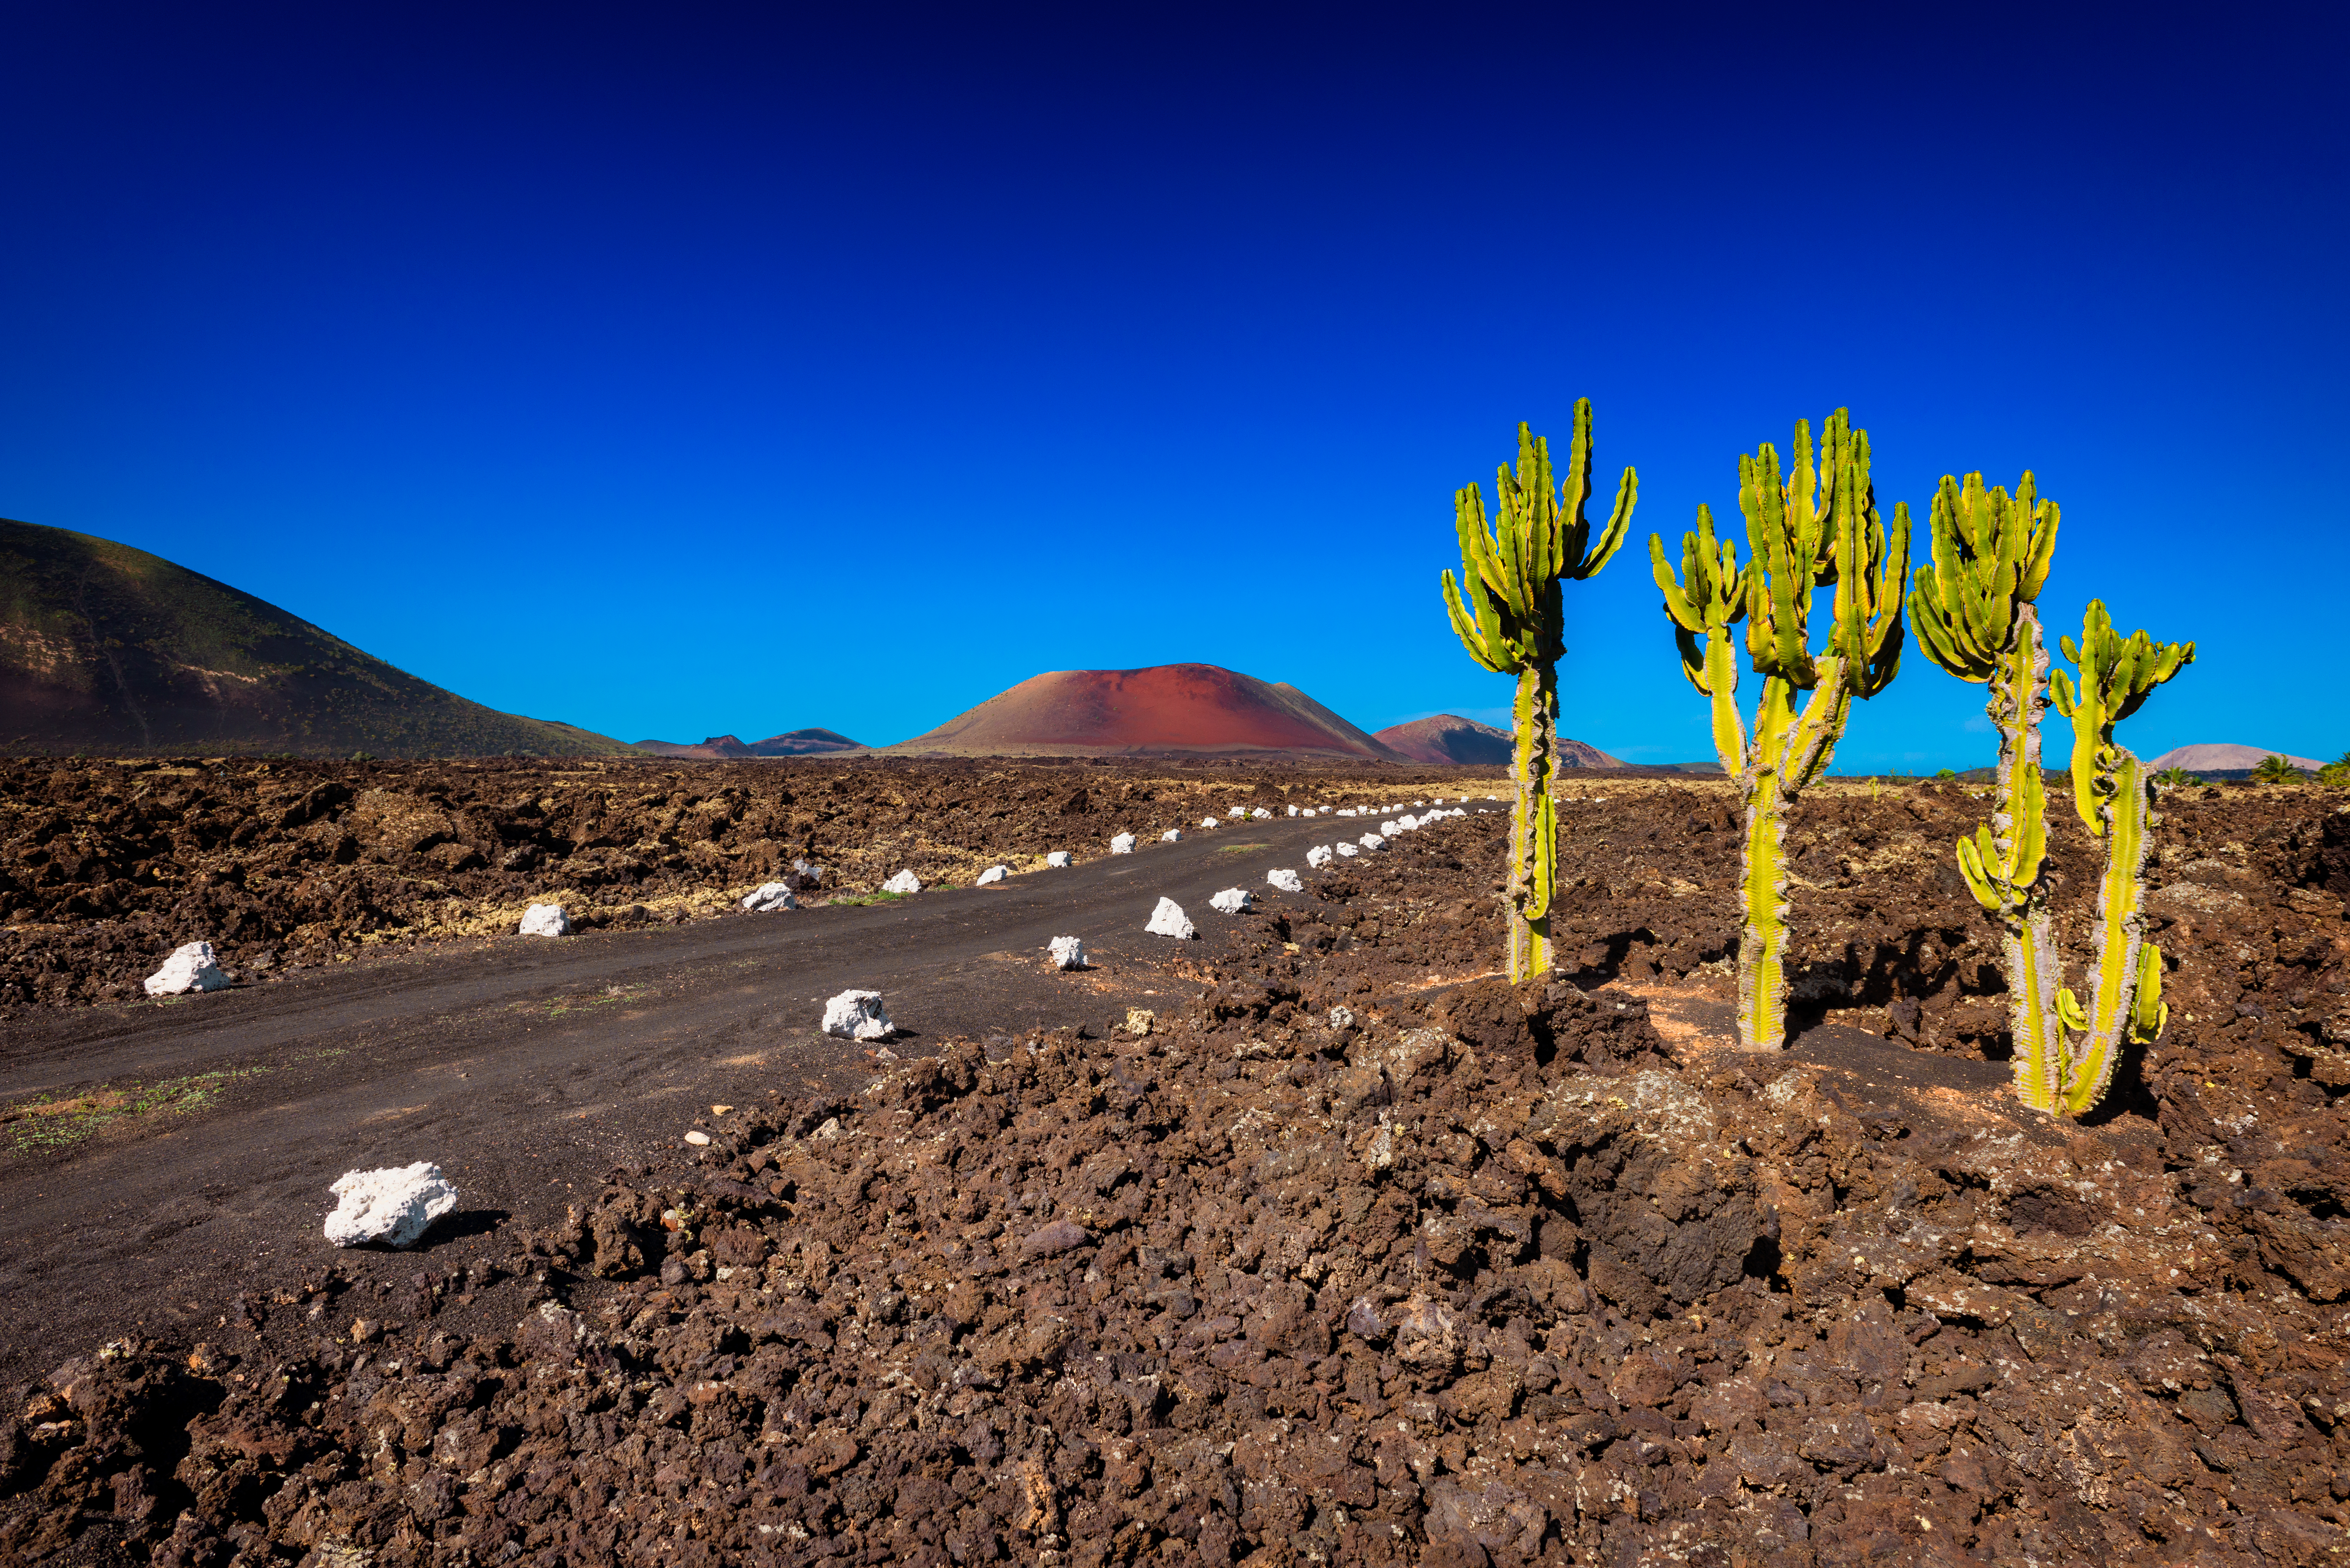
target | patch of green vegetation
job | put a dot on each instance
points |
(1240, 848)
(884, 897)
(587, 1002)
(51, 1122)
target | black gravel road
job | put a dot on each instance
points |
(526, 1069)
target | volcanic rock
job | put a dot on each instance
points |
(903, 882)
(394, 1205)
(992, 875)
(1068, 952)
(769, 897)
(1231, 901)
(1123, 844)
(856, 1016)
(546, 920)
(1286, 881)
(1058, 859)
(1169, 920)
(191, 968)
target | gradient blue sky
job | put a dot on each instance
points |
(688, 369)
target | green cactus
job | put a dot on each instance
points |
(2109, 792)
(1976, 617)
(1507, 610)
(1807, 531)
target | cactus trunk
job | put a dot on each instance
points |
(2126, 992)
(1788, 751)
(2019, 834)
(1533, 820)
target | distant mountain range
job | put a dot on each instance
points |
(1167, 709)
(110, 651)
(2223, 760)
(790, 743)
(1448, 738)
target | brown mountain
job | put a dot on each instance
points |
(1448, 738)
(804, 743)
(110, 651)
(727, 748)
(1168, 708)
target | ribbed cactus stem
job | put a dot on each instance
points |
(2020, 834)
(2114, 1005)
(1533, 823)
(1788, 751)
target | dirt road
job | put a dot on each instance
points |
(525, 1068)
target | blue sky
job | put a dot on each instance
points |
(686, 369)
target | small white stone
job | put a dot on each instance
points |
(1492, 797)
(394, 1205)
(1285, 880)
(1391, 828)
(856, 1016)
(1169, 920)
(697, 1138)
(1068, 952)
(1057, 859)
(1349, 849)
(992, 875)
(1207, 822)
(1237, 811)
(1232, 900)
(1419, 802)
(194, 967)
(1173, 836)
(903, 882)
(1293, 811)
(1319, 856)
(1372, 841)
(1262, 814)
(1122, 845)
(546, 920)
(771, 897)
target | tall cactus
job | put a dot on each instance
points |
(1975, 614)
(1807, 530)
(2109, 791)
(1507, 610)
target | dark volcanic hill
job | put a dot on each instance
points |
(804, 743)
(727, 748)
(1168, 708)
(110, 651)
(1448, 738)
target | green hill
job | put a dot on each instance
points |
(110, 651)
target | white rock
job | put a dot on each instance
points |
(394, 1205)
(994, 874)
(1349, 849)
(1285, 880)
(771, 897)
(1232, 900)
(697, 1138)
(194, 967)
(1068, 952)
(1169, 920)
(1122, 845)
(1207, 822)
(1391, 828)
(903, 882)
(1173, 836)
(1057, 859)
(1372, 841)
(1261, 815)
(1318, 856)
(1238, 811)
(1419, 802)
(546, 920)
(856, 1016)
(1293, 811)
(1492, 797)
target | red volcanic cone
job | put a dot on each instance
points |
(1195, 708)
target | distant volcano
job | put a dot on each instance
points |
(1168, 708)
(1448, 738)
(727, 748)
(2221, 759)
